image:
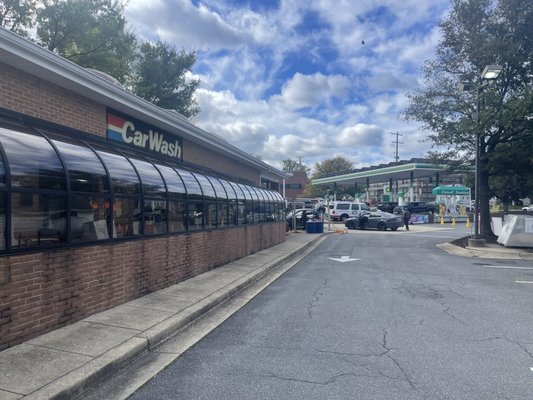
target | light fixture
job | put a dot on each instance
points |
(491, 72)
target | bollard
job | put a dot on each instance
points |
(468, 222)
(453, 221)
(441, 220)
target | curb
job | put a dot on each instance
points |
(72, 384)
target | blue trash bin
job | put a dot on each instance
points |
(320, 227)
(311, 227)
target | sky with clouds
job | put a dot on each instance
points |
(292, 78)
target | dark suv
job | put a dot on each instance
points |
(417, 207)
(387, 206)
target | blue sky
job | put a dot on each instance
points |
(290, 79)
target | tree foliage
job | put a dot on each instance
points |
(161, 77)
(18, 15)
(290, 166)
(91, 33)
(479, 33)
(331, 167)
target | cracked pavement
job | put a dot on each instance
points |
(407, 321)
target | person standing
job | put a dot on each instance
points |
(406, 218)
(304, 219)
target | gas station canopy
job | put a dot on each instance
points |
(408, 170)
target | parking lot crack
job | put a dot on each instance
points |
(449, 314)
(521, 345)
(317, 293)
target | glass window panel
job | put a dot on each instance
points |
(257, 204)
(238, 190)
(219, 189)
(241, 204)
(174, 183)
(2, 173)
(127, 217)
(2, 221)
(33, 162)
(230, 191)
(263, 204)
(89, 218)
(123, 177)
(207, 188)
(38, 219)
(191, 184)
(177, 217)
(211, 213)
(249, 204)
(195, 215)
(155, 216)
(86, 172)
(152, 182)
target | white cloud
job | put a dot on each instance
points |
(277, 90)
(312, 90)
(361, 135)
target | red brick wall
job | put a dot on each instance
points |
(29, 95)
(198, 155)
(44, 291)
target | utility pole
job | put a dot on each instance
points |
(397, 142)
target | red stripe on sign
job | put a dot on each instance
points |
(115, 121)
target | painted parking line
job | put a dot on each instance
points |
(524, 281)
(505, 267)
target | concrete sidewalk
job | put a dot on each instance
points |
(59, 364)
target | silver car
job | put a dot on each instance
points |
(375, 220)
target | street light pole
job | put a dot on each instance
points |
(476, 178)
(489, 72)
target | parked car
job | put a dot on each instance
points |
(375, 220)
(311, 215)
(387, 206)
(342, 210)
(528, 208)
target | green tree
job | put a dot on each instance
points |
(478, 33)
(334, 166)
(18, 15)
(290, 166)
(91, 33)
(161, 77)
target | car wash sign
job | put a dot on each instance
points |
(136, 133)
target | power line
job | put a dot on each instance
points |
(396, 142)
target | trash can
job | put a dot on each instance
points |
(320, 227)
(311, 227)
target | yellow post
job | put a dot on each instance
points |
(442, 220)
(453, 221)
(468, 222)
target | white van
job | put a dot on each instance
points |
(342, 210)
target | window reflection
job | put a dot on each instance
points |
(155, 216)
(177, 218)
(123, 177)
(152, 182)
(89, 218)
(241, 203)
(195, 215)
(86, 172)
(2, 221)
(38, 219)
(127, 217)
(42, 170)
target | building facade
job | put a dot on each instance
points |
(105, 197)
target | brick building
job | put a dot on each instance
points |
(105, 197)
